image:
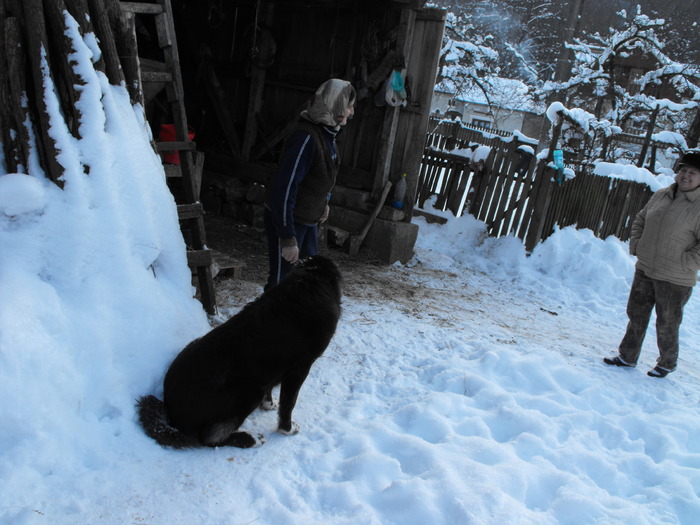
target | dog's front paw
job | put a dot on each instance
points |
(259, 441)
(293, 429)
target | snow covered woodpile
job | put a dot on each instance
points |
(38, 72)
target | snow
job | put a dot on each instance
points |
(633, 173)
(464, 387)
(502, 92)
(479, 154)
(479, 398)
(670, 137)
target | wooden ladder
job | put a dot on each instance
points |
(191, 212)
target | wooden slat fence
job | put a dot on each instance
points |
(448, 135)
(526, 201)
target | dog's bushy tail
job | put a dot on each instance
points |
(154, 421)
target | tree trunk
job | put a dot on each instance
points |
(693, 135)
(647, 138)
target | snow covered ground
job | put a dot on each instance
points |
(464, 388)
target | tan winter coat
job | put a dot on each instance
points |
(666, 236)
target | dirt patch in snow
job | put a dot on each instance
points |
(364, 277)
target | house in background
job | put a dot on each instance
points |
(508, 107)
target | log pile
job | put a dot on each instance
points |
(35, 53)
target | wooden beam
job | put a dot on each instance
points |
(217, 96)
(143, 9)
(99, 16)
(356, 240)
(391, 118)
(257, 89)
(14, 114)
(68, 83)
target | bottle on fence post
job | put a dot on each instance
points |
(399, 193)
(559, 164)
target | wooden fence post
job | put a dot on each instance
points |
(542, 193)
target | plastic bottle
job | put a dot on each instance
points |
(558, 158)
(399, 192)
(559, 164)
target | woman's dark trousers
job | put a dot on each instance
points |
(669, 300)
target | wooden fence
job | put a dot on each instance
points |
(515, 197)
(448, 135)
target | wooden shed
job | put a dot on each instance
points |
(249, 66)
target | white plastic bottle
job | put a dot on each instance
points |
(399, 192)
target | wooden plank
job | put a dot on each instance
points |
(99, 16)
(68, 84)
(198, 258)
(387, 150)
(601, 189)
(518, 223)
(227, 266)
(355, 241)
(37, 52)
(139, 8)
(156, 76)
(190, 211)
(16, 84)
(177, 145)
(423, 56)
(80, 11)
(507, 187)
(217, 96)
(454, 193)
(491, 189)
(257, 91)
(127, 48)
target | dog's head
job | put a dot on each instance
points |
(317, 270)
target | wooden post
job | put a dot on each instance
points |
(391, 115)
(257, 89)
(542, 193)
(16, 65)
(217, 95)
(100, 16)
(38, 55)
(430, 23)
(6, 122)
(80, 10)
(68, 83)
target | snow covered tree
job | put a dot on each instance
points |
(522, 33)
(626, 79)
(467, 58)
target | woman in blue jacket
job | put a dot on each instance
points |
(298, 195)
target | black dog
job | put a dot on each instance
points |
(214, 384)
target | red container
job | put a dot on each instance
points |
(167, 134)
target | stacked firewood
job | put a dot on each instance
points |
(35, 53)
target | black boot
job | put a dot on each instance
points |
(616, 361)
(658, 372)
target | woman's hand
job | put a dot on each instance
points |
(290, 253)
(326, 212)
